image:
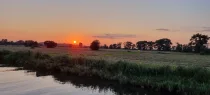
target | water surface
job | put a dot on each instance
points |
(22, 82)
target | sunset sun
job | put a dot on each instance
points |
(75, 42)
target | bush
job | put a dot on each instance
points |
(31, 43)
(50, 44)
(205, 51)
(95, 45)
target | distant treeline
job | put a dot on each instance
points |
(29, 43)
(198, 44)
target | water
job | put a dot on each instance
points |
(22, 82)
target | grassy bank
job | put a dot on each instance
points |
(192, 81)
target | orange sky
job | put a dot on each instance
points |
(84, 21)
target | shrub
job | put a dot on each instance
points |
(50, 44)
(31, 43)
(95, 45)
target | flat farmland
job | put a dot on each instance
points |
(133, 56)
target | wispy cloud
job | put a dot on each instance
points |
(204, 29)
(115, 36)
(163, 29)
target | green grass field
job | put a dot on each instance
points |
(135, 56)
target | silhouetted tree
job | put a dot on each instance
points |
(31, 43)
(111, 46)
(4, 42)
(11, 43)
(119, 45)
(198, 41)
(141, 45)
(173, 48)
(95, 45)
(50, 44)
(128, 45)
(114, 46)
(179, 47)
(133, 46)
(20, 42)
(80, 45)
(150, 45)
(187, 48)
(164, 44)
(105, 46)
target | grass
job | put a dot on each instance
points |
(135, 56)
(190, 80)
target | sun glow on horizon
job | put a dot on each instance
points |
(75, 42)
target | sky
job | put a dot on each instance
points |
(109, 21)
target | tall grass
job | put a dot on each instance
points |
(191, 80)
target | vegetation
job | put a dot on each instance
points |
(31, 43)
(80, 45)
(163, 44)
(128, 45)
(191, 80)
(141, 45)
(95, 45)
(115, 46)
(198, 41)
(50, 44)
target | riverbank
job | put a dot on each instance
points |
(191, 81)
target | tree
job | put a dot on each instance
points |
(95, 45)
(4, 42)
(150, 45)
(50, 44)
(128, 45)
(31, 43)
(141, 45)
(164, 44)
(80, 45)
(20, 42)
(111, 46)
(133, 46)
(114, 46)
(198, 41)
(187, 48)
(105, 46)
(119, 45)
(179, 47)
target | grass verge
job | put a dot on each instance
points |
(190, 81)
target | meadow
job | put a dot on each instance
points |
(133, 56)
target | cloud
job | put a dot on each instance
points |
(115, 36)
(163, 29)
(204, 29)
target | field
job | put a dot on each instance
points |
(134, 56)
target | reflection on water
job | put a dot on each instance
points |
(20, 82)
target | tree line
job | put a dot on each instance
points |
(29, 43)
(197, 44)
